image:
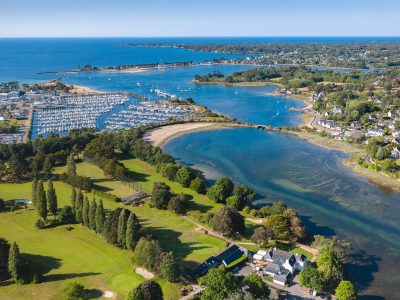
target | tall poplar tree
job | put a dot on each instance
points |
(100, 217)
(52, 198)
(92, 215)
(79, 207)
(73, 201)
(71, 167)
(132, 232)
(122, 220)
(34, 191)
(85, 212)
(14, 262)
(41, 201)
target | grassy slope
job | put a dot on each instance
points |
(82, 255)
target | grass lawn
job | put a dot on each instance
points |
(79, 254)
(145, 175)
(83, 256)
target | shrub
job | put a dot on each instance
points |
(73, 291)
(39, 224)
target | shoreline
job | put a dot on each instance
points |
(354, 151)
(160, 136)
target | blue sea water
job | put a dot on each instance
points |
(312, 179)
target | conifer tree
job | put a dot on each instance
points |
(169, 268)
(132, 232)
(122, 220)
(14, 262)
(79, 207)
(41, 201)
(100, 217)
(85, 212)
(34, 191)
(52, 198)
(73, 200)
(71, 167)
(92, 215)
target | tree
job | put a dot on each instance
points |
(73, 200)
(111, 227)
(122, 225)
(381, 154)
(261, 236)
(169, 170)
(178, 204)
(79, 207)
(2, 204)
(92, 214)
(15, 262)
(341, 247)
(73, 291)
(52, 198)
(146, 253)
(147, 290)
(228, 221)
(132, 231)
(297, 229)
(198, 185)
(257, 287)
(34, 191)
(185, 175)
(244, 193)
(221, 190)
(67, 216)
(280, 226)
(311, 278)
(4, 254)
(161, 195)
(100, 217)
(71, 167)
(85, 212)
(47, 168)
(169, 268)
(219, 284)
(329, 264)
(235, 202)
(41, 200)
(345, 291)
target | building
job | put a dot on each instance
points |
(282, 264)
(374, 132)
(134, 199)
(226, 257)
(395, 153)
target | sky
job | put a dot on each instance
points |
(181, 18)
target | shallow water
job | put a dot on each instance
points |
(331, 199)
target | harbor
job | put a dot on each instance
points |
(74, 112)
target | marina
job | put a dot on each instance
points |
(74, 112)
(157, 112)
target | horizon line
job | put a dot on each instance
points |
(208, 36)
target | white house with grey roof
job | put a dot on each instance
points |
(282, 264)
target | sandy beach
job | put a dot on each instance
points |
(161, 135)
